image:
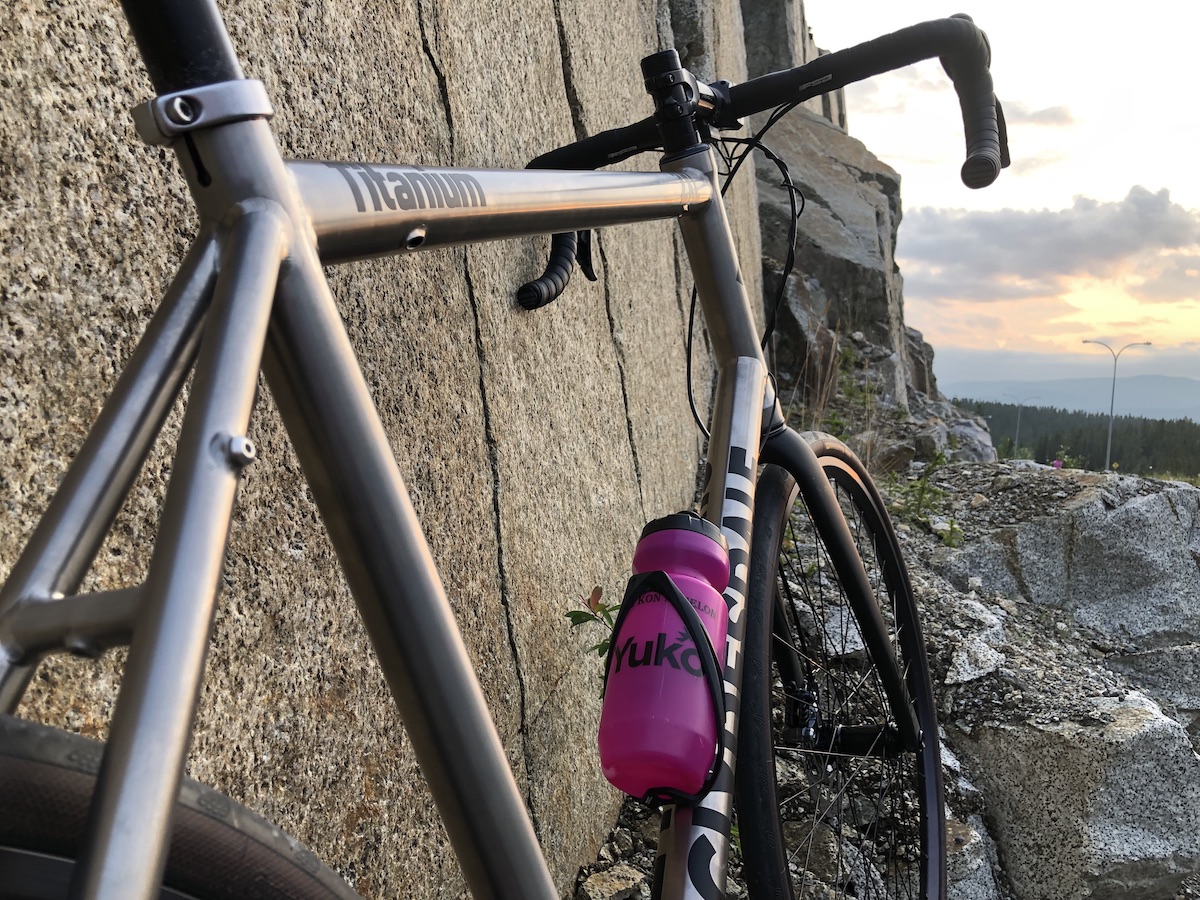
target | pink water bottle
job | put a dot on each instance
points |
(659, 722)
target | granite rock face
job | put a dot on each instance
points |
(1118, 556)
(1106, 807)
(844, 278)
(534, 446)
(970, 858)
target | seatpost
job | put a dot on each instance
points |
(183, 43)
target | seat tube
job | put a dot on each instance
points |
(708, 239)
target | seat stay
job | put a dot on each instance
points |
(74, 525)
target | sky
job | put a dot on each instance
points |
(1092, 233)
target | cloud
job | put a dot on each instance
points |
(924, 76)
(1026, 164)
(1177, 277)
(865, 97)
(1014, 323)
(1017, 113)
(889, 93)
(1004, 254)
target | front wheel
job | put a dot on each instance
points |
(832, 801)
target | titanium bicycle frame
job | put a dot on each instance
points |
(251, 293)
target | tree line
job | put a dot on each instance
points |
(1158, 447)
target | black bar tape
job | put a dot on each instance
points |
(967, 66)
(601, 149)
(965, 54)
(553, 282)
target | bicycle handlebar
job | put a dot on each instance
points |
(602, 149)
(965, 55)
(961, 46)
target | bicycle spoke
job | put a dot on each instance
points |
(848, 789)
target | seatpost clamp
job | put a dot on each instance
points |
(161, 120)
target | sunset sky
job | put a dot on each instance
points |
(1094, 232)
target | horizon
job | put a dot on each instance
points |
(951, 364)
(1156, 397)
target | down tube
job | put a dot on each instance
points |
(344, 452)
(694, 844)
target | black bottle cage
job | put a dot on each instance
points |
(710, 665)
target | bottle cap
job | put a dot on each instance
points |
(687, 521)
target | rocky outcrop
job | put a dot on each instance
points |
(1050, 620)
(844, 279)
(841, 333)
(1117, 554)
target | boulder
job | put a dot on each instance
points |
(1064, 686)
(1171, 675)
(1114, 553)
(970, 857)
(621, 882)
(1104, 806)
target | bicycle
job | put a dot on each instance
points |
(252, 292)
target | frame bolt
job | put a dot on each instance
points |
(241, 451)
(415, 238)
(181, 111)
(81, 647)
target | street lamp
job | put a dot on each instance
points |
(1116, 354)
(1020, 403)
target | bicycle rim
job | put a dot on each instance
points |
(832, 804)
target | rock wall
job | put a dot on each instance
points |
(534, 445)
(778, 37)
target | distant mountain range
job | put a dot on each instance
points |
(1152, 396)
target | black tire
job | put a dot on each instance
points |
(840, 808)
(219, 850)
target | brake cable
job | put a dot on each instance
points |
(733, 159)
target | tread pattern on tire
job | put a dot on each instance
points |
(218, 848)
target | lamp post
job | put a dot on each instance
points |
(1020, 403)
(1116, 354)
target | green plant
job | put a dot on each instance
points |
(949, 531)
(595, 610)
(833, 423)
(1069, 459)
(1193, 480)
(919, 498)
(921, 502)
